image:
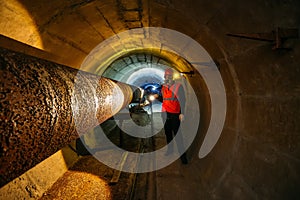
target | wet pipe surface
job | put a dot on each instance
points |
(39, 115)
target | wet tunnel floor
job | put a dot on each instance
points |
(90, 179)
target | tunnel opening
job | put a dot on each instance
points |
(124, 57)
(185, 55)
(145, 69)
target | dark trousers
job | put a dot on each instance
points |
(172, 129)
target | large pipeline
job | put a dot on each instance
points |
(44, 106)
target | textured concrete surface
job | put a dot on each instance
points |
(36, 181)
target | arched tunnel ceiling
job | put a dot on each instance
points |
(53, 30)
(137, 68)
(67, 31)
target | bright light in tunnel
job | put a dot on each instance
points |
(176, 75)
(151, 97)
(146, 75)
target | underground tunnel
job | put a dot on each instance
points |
(72, 68)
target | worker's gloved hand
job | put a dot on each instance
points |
(181, 117)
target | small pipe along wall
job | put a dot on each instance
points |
(44, 106)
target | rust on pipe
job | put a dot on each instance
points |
(44, 106)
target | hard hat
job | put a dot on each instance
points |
(169, 71)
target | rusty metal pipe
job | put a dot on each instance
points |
(44, 106)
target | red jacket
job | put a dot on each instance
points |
(172, 97)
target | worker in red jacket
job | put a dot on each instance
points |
(173, 105)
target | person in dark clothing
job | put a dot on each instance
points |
(173, 104)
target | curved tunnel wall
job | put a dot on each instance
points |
(257, 155)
